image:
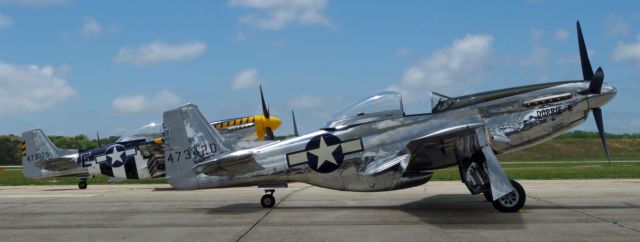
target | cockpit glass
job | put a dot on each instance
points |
(438, 99)
(149, 131)
(378, 103)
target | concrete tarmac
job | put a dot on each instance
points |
(556, 210)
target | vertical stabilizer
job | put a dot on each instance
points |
(37, 149)
(189, 140)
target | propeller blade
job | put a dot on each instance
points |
(597, 115)
(265, 110)
(295, 125)
(269, 135)
(587, 71)
(98, 139)
(596, 81)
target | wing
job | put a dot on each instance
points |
(443, 148)
(432, 151)
(234, 164)
(449, 146)
(239, 132)
(58, 164)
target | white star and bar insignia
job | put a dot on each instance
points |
(324, 153)
(115, 156)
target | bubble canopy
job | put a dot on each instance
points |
(147, 132)
(375, 107)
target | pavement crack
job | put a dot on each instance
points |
(268, 212)
(587, 214)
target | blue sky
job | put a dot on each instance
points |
(77, 67)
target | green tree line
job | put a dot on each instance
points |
(10, 145)
(580, 134)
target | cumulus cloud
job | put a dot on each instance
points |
(538, 56)
(140, 103)
(31, 88)
(452, 68)
(305, 101)
(5, 21)
(561, 35)
(402, 52)
(617, 25)
(245, 79)
(276, 14)
(91, 27)
(574, 59)
(628, 52)
(240, 36)
(160, 51)
(34, 2)
(536, 36)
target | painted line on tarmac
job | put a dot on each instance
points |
(47, 196)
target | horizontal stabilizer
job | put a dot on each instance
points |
(234, 164)
(58, 164)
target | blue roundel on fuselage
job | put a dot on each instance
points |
(324, 153)
(116, 155)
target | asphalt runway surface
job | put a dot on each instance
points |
(560, 210)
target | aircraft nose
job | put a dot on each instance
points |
(607, 93)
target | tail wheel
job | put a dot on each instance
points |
(268, 201)
(82, 185)
(513, 201)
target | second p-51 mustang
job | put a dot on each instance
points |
(374, 146)
(136, 155)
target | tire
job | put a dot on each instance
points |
(82, 185)
(268, 201)
(513, 201)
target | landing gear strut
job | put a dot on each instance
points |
(83, 183)
(487, 195)
(513, 201)
(268, 201)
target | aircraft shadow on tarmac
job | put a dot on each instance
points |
(579, 207)
(61, 189)
(438, 210)
(164, 189)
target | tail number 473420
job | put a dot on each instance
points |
(192, 153)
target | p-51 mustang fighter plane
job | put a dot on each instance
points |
(374, 146)
(137, 155)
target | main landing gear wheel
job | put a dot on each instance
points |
(82, 184)
(513, 201)
(268, 200)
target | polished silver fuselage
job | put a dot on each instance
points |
(513, 118)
